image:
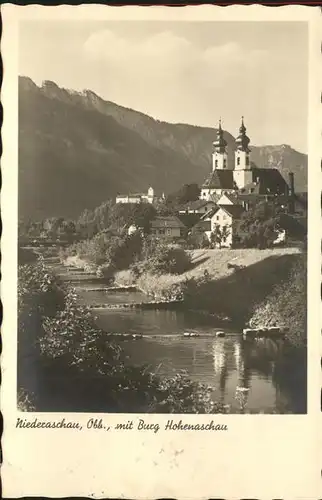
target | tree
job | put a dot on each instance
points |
(216, 237)
(186, 194)
(225, 233)
(67, 230)
(258, 227)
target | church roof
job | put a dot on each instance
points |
(266, 181)
(220, 179)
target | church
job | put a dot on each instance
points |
(243, 178)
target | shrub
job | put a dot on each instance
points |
(158, 258)
(73, 335)
(25, 401)
(106, 271)
(286, 306)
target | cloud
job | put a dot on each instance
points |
(159, 53)
(169, 77)
(166, 50)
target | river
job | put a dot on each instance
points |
(241, 372)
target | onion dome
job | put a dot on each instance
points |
(220, 143)
(242, 141)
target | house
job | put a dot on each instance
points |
(169, 227)
(225, 218)
(148, 197)
(197, 207)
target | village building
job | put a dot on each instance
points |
(197, 207)
(148, 197)
(225, 218)
(168, 227)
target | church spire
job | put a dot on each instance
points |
(243, 174)
(242, 141)
(220, 143)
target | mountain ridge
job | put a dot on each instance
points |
(99, 148)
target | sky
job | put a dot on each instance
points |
(182, 72)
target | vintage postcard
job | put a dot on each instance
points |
(161, 252)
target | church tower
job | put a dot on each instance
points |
(219, 156)
(242, 173)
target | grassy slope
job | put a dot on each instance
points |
(215, 261)
(236, 294)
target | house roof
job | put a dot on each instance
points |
(234, 211)
(131, 195)
(195, 205)
(231, 196)
(215, 197)
(210, 213)
(202, 225)
(167, 222)
(220, 179)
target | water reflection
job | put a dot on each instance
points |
(241, 372)
(244, 374)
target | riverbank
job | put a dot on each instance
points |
(233, 285)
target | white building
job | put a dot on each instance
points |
(226, 218)
(137, 197)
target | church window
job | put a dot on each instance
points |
(238, 160)
(225, 163)
(216, 163)
(247, 160)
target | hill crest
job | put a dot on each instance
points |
(77, 150)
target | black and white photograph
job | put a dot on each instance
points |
(161, 252)
(162, 203)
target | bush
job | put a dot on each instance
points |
(286, 306)
(81, 368)
(158, 258)
(106, 271)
